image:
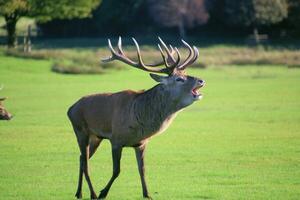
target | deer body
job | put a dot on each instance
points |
(4, 114)
(126, 118)
(129, 118)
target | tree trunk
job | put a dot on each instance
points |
(256, 35)
(11, 22)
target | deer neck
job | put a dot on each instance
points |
(154, 109)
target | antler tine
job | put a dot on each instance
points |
(120, 55)
(170, 57)
(120, 46)
(165, 60)
(141, 60)
(196, 55)
(141, 63)
(145, 67)
(139, 52)
(169, 53)
(172, 49)
(172, 66)
(110, 58)
(189, 58)
(178, 56)
(163, 55)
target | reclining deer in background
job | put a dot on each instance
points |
(129, 118)
(4, 114)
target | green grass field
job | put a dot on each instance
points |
(242, 141)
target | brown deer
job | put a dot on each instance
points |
(129, 118)
(4, 114)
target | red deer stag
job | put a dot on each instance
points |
(4, 114)
(129, 118)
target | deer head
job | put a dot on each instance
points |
(4, 114)
(183, 88)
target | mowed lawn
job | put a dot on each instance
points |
(242, 141)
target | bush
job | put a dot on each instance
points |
(69, 61)
(75, 69)
(87, 60)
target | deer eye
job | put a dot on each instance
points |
(180, 79)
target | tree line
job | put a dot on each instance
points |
(76, 18)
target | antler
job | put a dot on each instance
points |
(169, 61)
(192, 57)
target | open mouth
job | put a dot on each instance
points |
(195, 91)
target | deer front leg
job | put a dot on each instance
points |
(116, 156)
(140, 153)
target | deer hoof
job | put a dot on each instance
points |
(102, 194)
(147, 197)
(78, 195)
(93, 196)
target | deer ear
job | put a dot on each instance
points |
(158, 78)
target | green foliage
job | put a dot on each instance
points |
(63, 9)
(255, 12)
(48, 9)
(44, 10)
(270, 11)
(241, 141)
(13, 7)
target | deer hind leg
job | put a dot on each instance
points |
(87, 147)
(93, 145)
(116, 157)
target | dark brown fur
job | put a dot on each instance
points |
(130, 119)
(4, 114)
(127, 119)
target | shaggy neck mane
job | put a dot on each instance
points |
(154, 106)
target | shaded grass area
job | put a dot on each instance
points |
(241, 141)
(87, 60)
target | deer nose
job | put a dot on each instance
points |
(201, 82)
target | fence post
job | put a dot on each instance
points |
(27, 40)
